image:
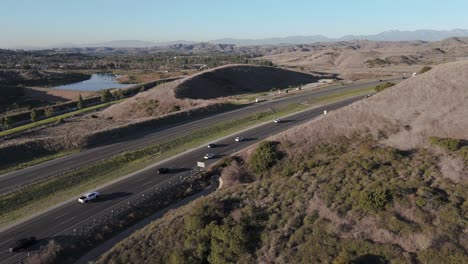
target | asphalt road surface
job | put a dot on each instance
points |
(58, 221)
(12, 180)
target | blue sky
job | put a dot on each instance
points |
(48, 22)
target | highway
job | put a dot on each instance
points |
(12, 180)
(57, 222)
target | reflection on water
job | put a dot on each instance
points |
(97, 81)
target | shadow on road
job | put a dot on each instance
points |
(221, 145)
(287, 121)
(178, 170)
(111, 196)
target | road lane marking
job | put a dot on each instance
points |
(68, 220)
(61, 215)
(5, 241)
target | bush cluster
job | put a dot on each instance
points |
(264, 157)
(384, 86)
(451, 144)
(374, 199)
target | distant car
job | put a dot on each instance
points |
(163, 170)
(277, 120)
(23, 243)
(380, 81)
(404, 78)
(209, 156)
(88, 197)
(239, 139)
(211, 145)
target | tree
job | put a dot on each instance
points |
(120, 94)
(48, 112)
(106, 96)
(264, 157)
(34, 115)
(7, 122)
(79, 105)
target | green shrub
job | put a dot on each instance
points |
(424, 69)
(374, 200)
(34, 115)
(264, 157)
(384, 86)
(79, 104)
(464, 152)
(451, 144)
(288, 170)
(106, 96)
(60, 121)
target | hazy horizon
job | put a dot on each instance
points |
(54, 22)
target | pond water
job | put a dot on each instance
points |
(97, 82)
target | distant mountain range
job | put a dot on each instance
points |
(391, 35)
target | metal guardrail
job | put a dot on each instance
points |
(115, 212)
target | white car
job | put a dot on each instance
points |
(209, 156)
(88, 197)
(277, 120)
(239, 139)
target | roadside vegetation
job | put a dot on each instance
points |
(384, 86)
(55, 119)
(424, 69)
(347, 200)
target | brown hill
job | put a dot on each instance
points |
(430, 104)
(239, 79)
(207, 87)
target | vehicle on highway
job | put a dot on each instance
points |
(277, 120)
(209, 156)
(163, 170)
(23, 243)
(239, 139)
(88, 197)
(211, 145)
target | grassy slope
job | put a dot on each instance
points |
(350, 201)
(49, 192)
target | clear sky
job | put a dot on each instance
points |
(49, 22)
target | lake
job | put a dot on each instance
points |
(97, 82)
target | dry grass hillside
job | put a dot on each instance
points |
(363, 184)
(405, 115)
(205, 88)
(365, 59)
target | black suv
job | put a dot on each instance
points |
(23, 243)
(163, 170)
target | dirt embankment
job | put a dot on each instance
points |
(206, 88)
(239, 79)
